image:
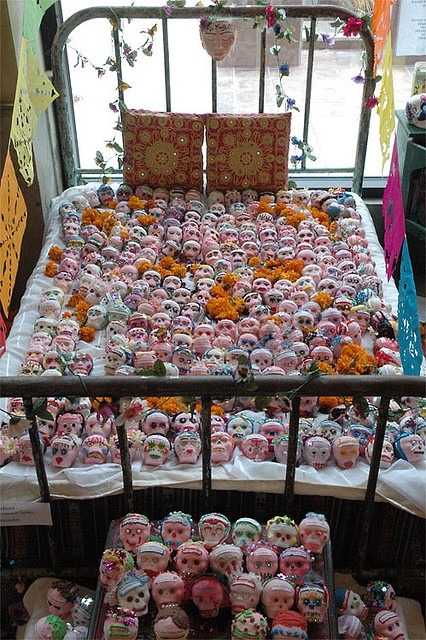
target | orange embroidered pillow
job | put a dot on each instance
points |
(163, 149)
(247, 151)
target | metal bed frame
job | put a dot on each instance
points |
(64, 104)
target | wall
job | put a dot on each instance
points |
(47, 183)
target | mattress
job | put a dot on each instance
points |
(402, 484)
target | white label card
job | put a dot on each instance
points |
(25, 513)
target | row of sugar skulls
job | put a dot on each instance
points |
(160, 438)
(216, 566)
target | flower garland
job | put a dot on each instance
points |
(222, 306)
(355, 360)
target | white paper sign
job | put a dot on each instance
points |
(25, 513)
(411, 35)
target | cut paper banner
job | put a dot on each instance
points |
(13, 220)
(393, 215)
(410, 344)
(34, 93)
(34, 11)
(386, 109)
(380, 26)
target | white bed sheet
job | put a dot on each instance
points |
(402, 485)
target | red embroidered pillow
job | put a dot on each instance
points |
(247, 151)
(163, 149)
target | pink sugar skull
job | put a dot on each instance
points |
(167, 589)
(245, 592)
(113, 565)
(317, 451)
(262, 560)
(312, 602)
(187, 446)
(192, 559)
(295, 563)
(176, 529)
(277, 595)
(152, 558)
(345, 451)
(97, 424)
(350, 627)
(261, 358)
(213, 529)
(156, 421)
(350, 602)
(272, 429)
(387, 454)
(245, 532)
(222, 447)
(156, 450)
(64, 450)
(281, 449)
(255, 447)
(208, 594)
(314, 532)
(133, 592)
(95, 450)
(135, 529)
(25, 451)
(226, 560)
(120, 623)
(289, 624)
(171, 623)
(388, 624)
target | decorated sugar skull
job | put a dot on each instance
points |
(345, 451)
(222, 447)
(289, 624)
(245, 592)
(239, 426)
(82, 610)
(277, 595)
(68, 421)
(208, 594)
(192, 559)
(316, 451)
(50, 627)
(64, 450)
(314, 532)
(133, 592)
(387, 454)
(112, 567)
(281, 448)
(380, 595)
(152, 557)
(330, 429)
(120, 623)
(61, 597)
(183, 358)
(410, 446)
(415, 110)
(213, 529)
(362, 435)
(286, 359)
(312, 601)
(176, 529)
(295, 563)
(95, 449)
(387, 624)
(255, 447)
(272, 429)
(350, 627)
(245, 532)
(262, 560)
(249, 624)
(167, 589)
(134, 530)
(282, 532)
(156, 450)
(187, 446)
(170, 623)
(226, 560)
(156, 421)
(350, 602)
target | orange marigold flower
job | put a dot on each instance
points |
(55, 253)
(51, 269)
(112, 204)
(147, 220)
(282, 209)
(144, 265)
(294, 219)
(166, 262)
(229, 280)
(254, 261)
(136, 203)
(169, 405)
(81, 309)
(89, 216)
(323, 299)
(66, 314)
(324, 367)
(325, 403)
(75, 299)
(355, 360)
(87, 334)
(265, 206)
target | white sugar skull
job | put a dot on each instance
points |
(176, 529)
(314, 532)
(152, 558)
(261, 358)
(245, 531)
(226, 560)
(277, 595)
(345, 451)
(156, 450)
(222, 447)
(255, 447)
(133, 592)
(387, 454)
(415, 110)
(282, 532)
(187, 446)
(213, 529)
(239, 426)
(167, 589)
(64, 450)
(134, 530)
(245, 592)
(316, 451)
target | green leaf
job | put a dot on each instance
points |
(159, 368)
(39, 405)
(45, 415)
(262, 402)
(275, 50)
(117, 147)
(99, 157)
(307, 34)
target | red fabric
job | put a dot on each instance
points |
(247, 151)
(163, 149)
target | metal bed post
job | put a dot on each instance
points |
(288, 497)
(206, 405)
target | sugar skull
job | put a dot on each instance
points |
(95, 449)
(133, 592)
(277, 595)
(380, 595)
(152, 558)
(61, 597)
(350, 602)
(245, 592)
(330, 429)
(69, 422)
(226, 560)
(222, 447)
(239, 426)
(316, 451)
(282, 532)
(176, 528)
(345, 451)
(213, 529)
(192, 559)
(249, 624)
(410, 447)
(289, 624)
(187, 446)
(262, 560)
(49, 627)
(255, 447)
(157, 422)
(387, 454)
(281, 448)
(350, 627)
(312, 601)
(25, 450)
(64, 450)
(156, 450)
(134, 530)
(170, 623)
(167, 589)
(245, 531)
(208, 594)
(272, 429)
(295, 563)
(314, 532)
(112, 567)
(388, 624)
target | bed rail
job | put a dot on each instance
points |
(207, 389)
(64, 104)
